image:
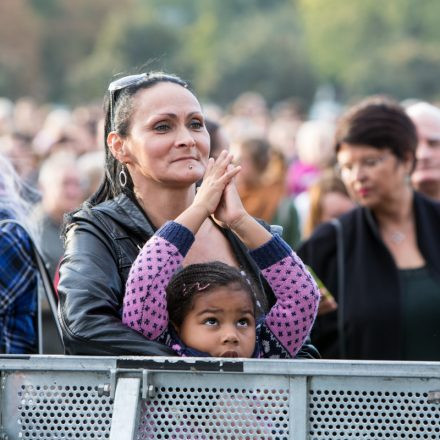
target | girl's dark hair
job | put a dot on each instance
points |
(379, 122)
(122, 112)
(199, 279)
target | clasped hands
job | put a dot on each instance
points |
(218, 195)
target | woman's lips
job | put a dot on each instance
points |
(363, 192)
(185, 158)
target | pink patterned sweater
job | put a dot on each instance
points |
(280, 334)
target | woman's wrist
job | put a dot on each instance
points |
(239, 224)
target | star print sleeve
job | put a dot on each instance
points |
(288, 323)
(145, 307)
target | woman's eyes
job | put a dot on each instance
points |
(372, 162)
(196, 124)
(162, 127)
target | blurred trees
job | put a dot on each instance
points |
(67, 51)
(73, 48)
(375, 47)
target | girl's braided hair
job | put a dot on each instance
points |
(198, 279)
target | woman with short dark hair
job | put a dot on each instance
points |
(391, 245)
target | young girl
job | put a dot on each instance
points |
(210, 309)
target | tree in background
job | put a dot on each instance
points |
(223, 48)
(372, 47)
(67, 51)
(20, 46)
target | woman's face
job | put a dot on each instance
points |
(372, 176)
(167, 141)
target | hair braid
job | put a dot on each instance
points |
(197, 279)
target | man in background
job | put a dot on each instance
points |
(426, 175)
(61, 192)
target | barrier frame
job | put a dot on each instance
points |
(130, 381)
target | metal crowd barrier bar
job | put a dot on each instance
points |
(126, 398)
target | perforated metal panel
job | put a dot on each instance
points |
(258, 399)
(209, 409)
(63, 407)
(363, 408)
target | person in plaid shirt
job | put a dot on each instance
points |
(18, 272)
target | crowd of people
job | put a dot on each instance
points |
(172, 228)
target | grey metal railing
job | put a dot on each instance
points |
(51, 397)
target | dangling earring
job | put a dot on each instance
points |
(122, 177)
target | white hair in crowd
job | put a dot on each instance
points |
(13, 196)
(55, 165)
(315, 143)
(423, 109)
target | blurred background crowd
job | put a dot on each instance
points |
(274, 77)
(287, 156)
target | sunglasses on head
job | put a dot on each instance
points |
(131, 81)
(119, 84)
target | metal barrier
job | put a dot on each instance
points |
(57, 397)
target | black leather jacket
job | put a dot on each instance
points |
(102, 242)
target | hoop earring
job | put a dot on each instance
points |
(122, 178)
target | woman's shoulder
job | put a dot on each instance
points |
(118, 218)
(324, 236)
(87, 211)
(423, 202)
(116, 210)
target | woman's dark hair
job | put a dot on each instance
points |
(212, 128)
(199, 279)
(379, 122)
(121, 101)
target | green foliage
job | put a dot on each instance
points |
(375, 47)
(66, 50)
(223, 48)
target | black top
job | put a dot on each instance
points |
(420, 315)
(373, 291)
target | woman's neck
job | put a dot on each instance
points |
(162, 203)
(398, 210)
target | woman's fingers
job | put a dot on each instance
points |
(230, 173)
(209, 165)
(222, 162)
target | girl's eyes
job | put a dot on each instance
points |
(240, 323)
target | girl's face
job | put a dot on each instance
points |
(372, 176)
(221, 323)
(167, 140)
